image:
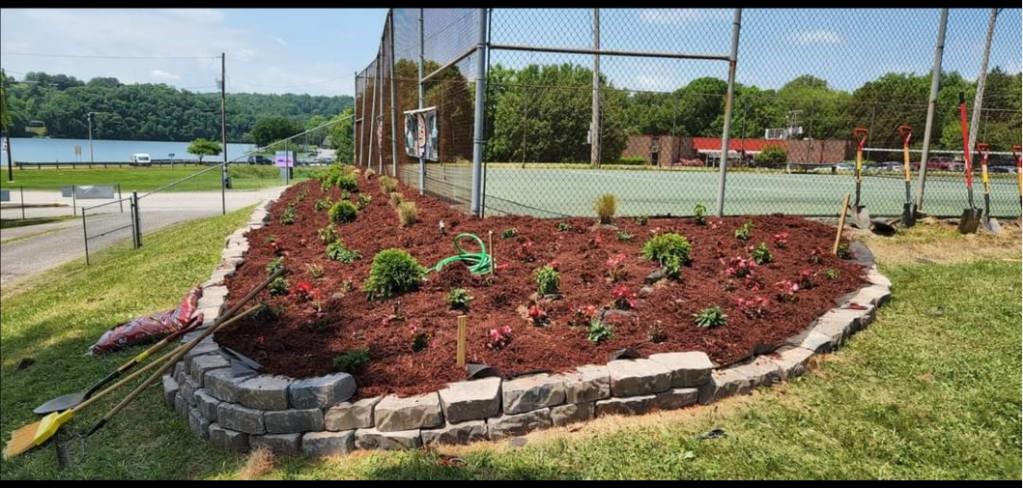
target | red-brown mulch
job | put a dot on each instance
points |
(298, 344)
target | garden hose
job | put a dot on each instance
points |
(478, 262)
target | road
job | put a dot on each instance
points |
(26, 251)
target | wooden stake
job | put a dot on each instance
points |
(841, 224)
(460, 358)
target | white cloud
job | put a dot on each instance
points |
(678, 16)
(817, 36)
(203, 15)
(280, 41)
(164, 75)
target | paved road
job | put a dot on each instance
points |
(28, 250)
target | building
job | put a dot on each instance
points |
(685, 151)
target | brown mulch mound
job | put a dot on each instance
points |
(298, 342)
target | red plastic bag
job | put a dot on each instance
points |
(147, 329)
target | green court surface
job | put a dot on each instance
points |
(551, 191)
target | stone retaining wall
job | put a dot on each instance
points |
(237, 409)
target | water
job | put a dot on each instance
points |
(36, 150)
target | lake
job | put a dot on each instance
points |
(38, 150)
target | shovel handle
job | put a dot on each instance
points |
(841, 224)
(966, 140)
(906, 132)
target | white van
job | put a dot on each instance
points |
(141, 159)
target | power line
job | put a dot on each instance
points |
(49, 55)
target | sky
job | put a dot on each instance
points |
(316, 51)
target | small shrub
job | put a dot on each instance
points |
(347, 287)
(744, 231)
(288, 216)
(274, 265)
(771, 155)
(369, 173)
(753, 308)
(700, 214)
(844, 252)
(710, 317)
(598, 331)
(352, 360)
(832, 273)
(537, 315)
(564, 227)
(806, 279)
(641, 220)
(387, 184)
(781, 240)
(337, 251)
(582, 315)
(547, 280)
(499, 338)
(395, 198)
(816, 256)
(740, 267)
(304, 291)
(323, 204)
(315, 270)
(616, 269)
(459, 298)
(509, 233)
(328, 234)
(407, 213)
(761, 254)
(786, 290)
(362, 201)
(342, 212)
(393, 272)
(656, 335)
(279, 286)
(420, 338)
(624, 299)
(348, 182)
(605, 208)
(665, 247)
(624, 236)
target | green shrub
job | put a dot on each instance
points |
(744, 231)
(564, 226)
(347, 182)
(632, 160)
(641, 219)
(598, 331)
(624, 236)
(274, 265)
(509, 233)
(388, 184)
(279, 286)
(832, 273)
(710, 317)
(605, 207)
(396, 198)
(761, 254)
(352, 360)
(407, 213)
(338, 252)
(362, 201)
(459, 298)
(771, 155)
(547, 280)
(288, 216)
(315, 270)
(700, 214)
(323, 204)
(665, 247)
(328, 234)
(844, 252)
(394, 271)
(343, 211)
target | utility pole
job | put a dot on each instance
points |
(223, 134)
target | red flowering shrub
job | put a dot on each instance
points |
(739, 267)
(753, 308)
(786, 290)
(498, 338)
(624, 299)
(537, 315)
(805, 278)
(304, 291)
(781, 240)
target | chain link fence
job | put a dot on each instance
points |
(641, 103)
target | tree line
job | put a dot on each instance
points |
(149, 111)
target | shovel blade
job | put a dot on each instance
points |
(970, 220)
(991, 225)
(860, 219)
(61, 403)
(908, 214)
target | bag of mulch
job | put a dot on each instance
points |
(151, 328)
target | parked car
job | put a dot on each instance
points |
(140, 159)
(845, 167)
(260, 160)
(1002, 169)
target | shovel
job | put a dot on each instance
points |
(908, 208)
(859, 218)
(971, 216)
(70, 400)
(990, 224)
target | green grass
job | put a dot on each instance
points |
(243, 177)
(930, 390)
(12, 223)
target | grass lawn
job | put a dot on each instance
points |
(930, 390)
(243, 177)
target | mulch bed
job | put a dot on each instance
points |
(298, 342)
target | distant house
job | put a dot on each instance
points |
(677, 150)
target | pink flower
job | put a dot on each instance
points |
(623, 297)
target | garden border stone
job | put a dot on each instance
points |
(239, 411)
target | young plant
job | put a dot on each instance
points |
(393, 272)
(744, 231)
(753, 308)
(342, 212)
(786, 291)
(624, 236)
(781, 240)
(605, 208)
(700, 214)
(537, 315)
(656, 335)
(547, 280)
(387, 184)
(395, 198)
(582, 315)
(352, 360)
(499, 338)
(362, 201)
(616, 269)
(459, 298)
(598, 331)
(274, 265)
(843, 251)
(832, 274)
(369, 173)
(328, 234)
(641, 220)
(304, 291)
(420, 338)
(806, 279)
(509, 233)
(275, 247)
(816, 256)
(740, 267)
(564, 227)
(279, 286)
(337, 251)
(624, 299)
(347, 182)
(323, 204)
(407, 213)
(288, 216)
(710, 317)
(671, 250)
(315, 270)
(761, 254)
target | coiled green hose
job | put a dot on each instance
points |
(478, 262)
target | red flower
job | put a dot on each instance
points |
(537, 315)
(304, 290)
(623, 297)
(499, 338)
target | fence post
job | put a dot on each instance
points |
(74, 199)
(478, 134)
(931, 103)
(85, 238)
(394, 104)
(137, 220)
(120, 199)
(21, 189)
(131, 217)
(422, 160)
(978, 99)
(726, 131)
(595, 98)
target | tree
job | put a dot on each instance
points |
(272, 129)
(771, 155)
(204, 147)
(340, 136)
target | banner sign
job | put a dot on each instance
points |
(421, 133)
(284, 159)
(88, 192)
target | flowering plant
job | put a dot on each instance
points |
(499, 338)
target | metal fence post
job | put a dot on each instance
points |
(931, 103)
(478, 135)
(120, 199)
(137, 220)
(394, 96)
(74, 199)
(726, 131)
(595, 98)
(85, 238)
(978, 99)
(21, 189)
(422, 160)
